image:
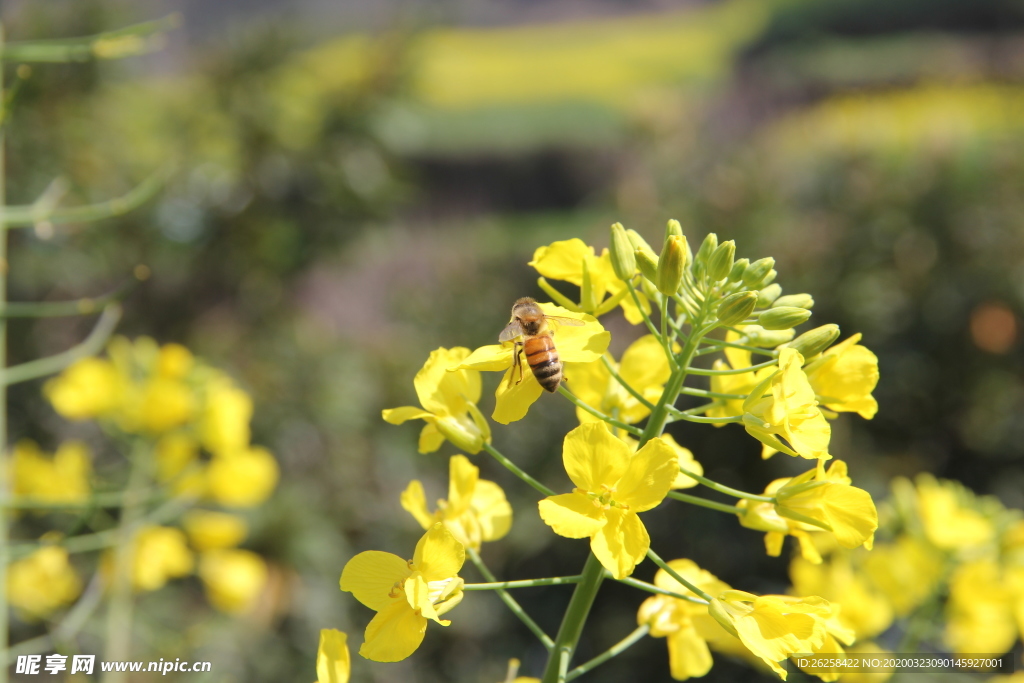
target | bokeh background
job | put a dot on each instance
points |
(359, 183)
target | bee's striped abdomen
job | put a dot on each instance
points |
(543, 359)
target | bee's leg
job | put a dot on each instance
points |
(517, 362)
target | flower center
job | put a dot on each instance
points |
(603, 498)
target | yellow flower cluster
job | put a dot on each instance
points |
(62, 478)
(164, 393)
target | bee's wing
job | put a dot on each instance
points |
(573, 322)
(511, 331)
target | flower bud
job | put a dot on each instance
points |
(647, 262)
(720, 261)
(813, 342)
(673, 228)
(757, 272)
(796, 300)
(769, 278)
(707, 247)
(768, 295)
(637, 241)
(670, 266)
(736, 307)
(466, 437)
(766, 339)
(783, 317)
(738, 268)
(623, 259)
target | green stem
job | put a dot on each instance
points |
(514, 469)
(58, 309)
(597, 413)
(7, 99)
(624, 644)
(727, 490)
(653, 330)
(525, 583)
(675, 575)
(83, 48)
(704, 502)
(733, 371)
(719, 344)
(572, 623)
(678, 414)
(729, 419)
(5, 547)
(51, 364)
(625, 385)
(651, 588)
(703, 393)
(510, 602)
(111, 499)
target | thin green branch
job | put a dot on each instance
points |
(624, 644)
(21, 74)
(730, 419)
(733, 371)
(41, 212)
(128, 41)
(727, 490)
(653, 330)
(525, 583)
(89, 347)
(719, 344)
(704, 502)
(678, 414)
(510, 602)
(635, 431)
(625, 385)
(651, 588)
(703, 393)
(514, 469)
(59, 309)
(675, 575)
(110, 499)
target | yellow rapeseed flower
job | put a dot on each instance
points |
(243, 478)
(740, 384)
(783, 407)
(684, 459)
(980, 613)
(175, 452)
(333, 663)
(209, 530)
(224, 425)
(514, 396)
(906, 571)
(612, 486)
(644, 367)
(62, 478)
(575, 262)
(864, 609)
(948, 516)
(233, 578)
(844, 377)
(42, 582)
(449, 401)
(405, 593)
(476, 509)
(161, 554)
(817, 499)
(687, 626)
(773, 627)
(87, 389)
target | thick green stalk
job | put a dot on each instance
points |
(572, 623)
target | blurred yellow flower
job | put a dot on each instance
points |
(42, 582)
(583, 344)
(241, 478)
(449, 397)
(740, 384)
(476, 509)
(161, 554)
(773, 627)
(165, 403)
(864, 610)
(686, 625)
(174, 453)
(333, 664)
(88, 388)
(62, 478)
(980, 613)
(612, 486)
(644, 367)
(225, 421)
(947, 513)
(783, 406)
(844, 377)
(575, 262)
(907, 571)
(214, 530)
(405, 593)
(233, 578)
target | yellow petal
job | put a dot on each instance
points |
(494, 358)
(572, 515)
(512, 399)
(563, 260)
(371, 576)
(462, 481)
(621, 543)
(397, 416)
(417, 594)
(593, 457)
(492, 510)
(332, 659)
(414, 501)
(438, 555)
(430, 437)
(688, 654)
(650, 475)
(393, 634)
(644, 364)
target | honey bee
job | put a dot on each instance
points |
(530, 323)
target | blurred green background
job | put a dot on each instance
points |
(357, 185)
